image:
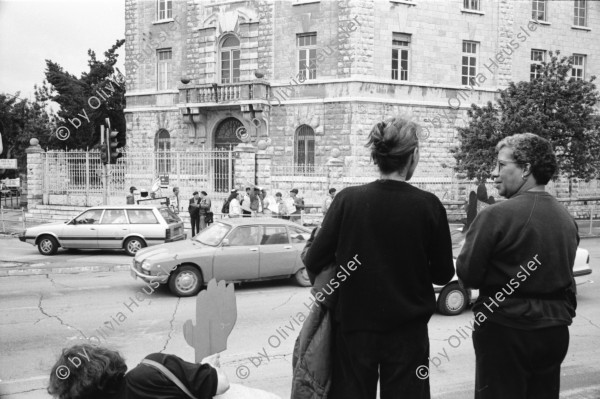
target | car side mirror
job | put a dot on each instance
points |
(225, 242)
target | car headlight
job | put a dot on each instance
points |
(146, 265)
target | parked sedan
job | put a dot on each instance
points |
(128, 227)
(240, 249)
(453, 299)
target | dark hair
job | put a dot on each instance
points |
(203, 192)
(392, 142)
(86, 372)
(278, 195)
(533, 149)
(195, 192)
(332, 190)
(232, 195)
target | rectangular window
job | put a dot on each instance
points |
(471, 5)
(164, 68)
(578, 69)
(538, 10)
(165, 9)
(580, 15)
(307, 56)
(537, 57)
(400, 56)
(469, 63)
(230, 66)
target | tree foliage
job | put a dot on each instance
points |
(21, 120)
(86, 101)
(554, 106)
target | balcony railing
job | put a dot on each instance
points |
(224, 93)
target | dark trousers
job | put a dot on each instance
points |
(195, 221)
(361, 357)
(518, 364)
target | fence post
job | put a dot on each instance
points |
(87, 177)
(2, 216)
(23, 218)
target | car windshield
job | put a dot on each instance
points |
(169, 215)
(212, 235)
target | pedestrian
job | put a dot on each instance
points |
(235, 209)
(225, 208)
(520, 254)
(194, 210)
(328, 200)
(391, 242)
(205, 205)
(131, 197)
(245, 203)
(282, 209)
(102, 373)
(174, 201)
(296, 206)
(255, 201)
(270, 207)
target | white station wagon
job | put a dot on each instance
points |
(128, 227)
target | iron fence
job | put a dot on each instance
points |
(80, 173)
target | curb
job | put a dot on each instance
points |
(36, 271)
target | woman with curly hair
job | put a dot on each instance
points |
(91, 372)
(392, 242)
(520, 253)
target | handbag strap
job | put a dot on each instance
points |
(169, 375)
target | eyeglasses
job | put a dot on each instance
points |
(501, 163)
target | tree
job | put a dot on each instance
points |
(20, 121)
(86, 102)
(554, 106)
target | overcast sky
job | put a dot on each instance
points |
(32, 31)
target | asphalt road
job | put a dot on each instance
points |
(41, 314)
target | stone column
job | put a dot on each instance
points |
(335, 173)
(263, 170)
(35, 174)
(244, 165)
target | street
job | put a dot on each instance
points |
(43, 313)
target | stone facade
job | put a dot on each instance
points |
(353, 88)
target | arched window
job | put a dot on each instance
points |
(230, 59)
(162, 148)
(227, 135)
(304, 154)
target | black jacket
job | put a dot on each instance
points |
(390, 242)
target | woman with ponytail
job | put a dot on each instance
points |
(392, 243)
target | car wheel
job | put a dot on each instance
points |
(452, 300)
(186, 280)
(133, 244)
(302, 279)
(47, 245)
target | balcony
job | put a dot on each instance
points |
(214, 95)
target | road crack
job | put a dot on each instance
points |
(50, 316)
(589, 321)
(289, 299)
(171, 325)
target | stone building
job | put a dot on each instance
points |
(302, 82)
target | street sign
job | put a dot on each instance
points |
(8, 164)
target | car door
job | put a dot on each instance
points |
(113, 228)
(238, 258)
(146, 223)
(82, 232)
(277, 254)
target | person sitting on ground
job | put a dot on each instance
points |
(102, 373)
